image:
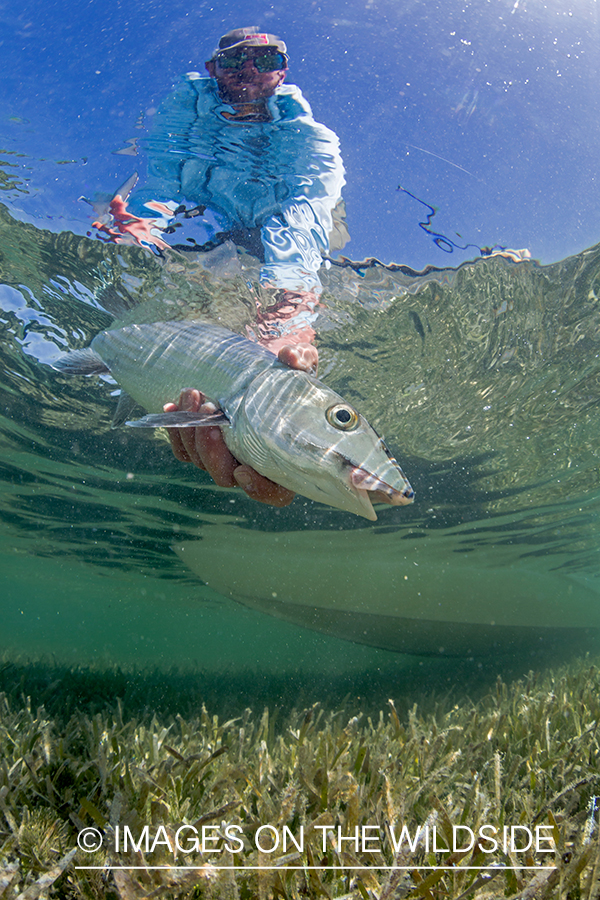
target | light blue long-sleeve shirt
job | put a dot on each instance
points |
(283, 176)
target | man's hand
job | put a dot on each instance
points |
(300, 356)
(206, 449)
(122, 227)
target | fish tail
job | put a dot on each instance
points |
(81, 362)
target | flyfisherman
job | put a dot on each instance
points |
(239, 156)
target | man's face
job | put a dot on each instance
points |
(243, 82)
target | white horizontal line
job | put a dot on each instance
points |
(492, 867)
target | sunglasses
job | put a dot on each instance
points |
(264, 60)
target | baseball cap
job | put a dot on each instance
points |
(249, 37)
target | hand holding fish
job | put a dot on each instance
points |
(206, 448)
(304, 357)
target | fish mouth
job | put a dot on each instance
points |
(373, 489)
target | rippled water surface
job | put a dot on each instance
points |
(484, 381)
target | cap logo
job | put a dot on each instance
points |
(262, 38)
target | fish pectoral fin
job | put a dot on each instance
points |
(180, 419)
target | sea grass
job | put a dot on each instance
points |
(524, 754)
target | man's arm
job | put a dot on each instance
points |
(295, 237)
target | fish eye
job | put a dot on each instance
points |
(342, 417)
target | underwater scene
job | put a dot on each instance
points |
(300, 472)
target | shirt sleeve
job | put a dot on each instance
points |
(295, 239)
(167, 149)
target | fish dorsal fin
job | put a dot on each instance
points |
(116, 300)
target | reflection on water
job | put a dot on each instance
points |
(238, 154)
(484, 381)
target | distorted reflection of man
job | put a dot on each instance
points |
(238, 155)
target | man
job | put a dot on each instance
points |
(239, 156)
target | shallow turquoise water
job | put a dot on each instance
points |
(62, 611)
(491, 407)
(483, 377)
